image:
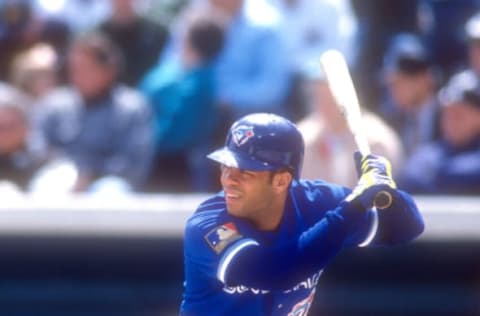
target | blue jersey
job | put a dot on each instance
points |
(232, 268)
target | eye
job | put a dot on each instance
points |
(246, 173)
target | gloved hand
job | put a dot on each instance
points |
(375, 174)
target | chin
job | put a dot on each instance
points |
(235, 210)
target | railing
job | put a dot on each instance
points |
(446, 217)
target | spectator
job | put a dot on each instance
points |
(329, 144)
(441, 25)
(21, 29)
(313, 26)
(103, 126)
(411, 106)
(20, 160)
(253, 68)
(378, 22)
(140, 40)
(165, 12)
(186, 116)
(81, 16)
(472, 31)
(35, 71)
(451, 165)
(309, 28)
(472, 35)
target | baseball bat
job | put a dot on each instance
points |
(338, 77)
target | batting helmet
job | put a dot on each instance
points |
(262, 142)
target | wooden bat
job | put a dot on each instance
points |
(338, 77)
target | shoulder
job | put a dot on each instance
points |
(129, 100)
(62, 98)
(463, 75)
(162, 76)
(208, 215)
(210, 230)
(261, 15)
(319, 193)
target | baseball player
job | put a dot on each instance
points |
(260, 245)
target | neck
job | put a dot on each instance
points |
(271, 218)
(98, 97)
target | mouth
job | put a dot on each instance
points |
(232, 195)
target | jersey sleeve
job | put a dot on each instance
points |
(400, 223)
(209, 247)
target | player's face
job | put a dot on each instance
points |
(248, 194)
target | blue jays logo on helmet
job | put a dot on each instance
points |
(262, 142)
(241, 134)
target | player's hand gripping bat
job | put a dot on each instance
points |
(341, 85)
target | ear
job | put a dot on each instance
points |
(281, 181)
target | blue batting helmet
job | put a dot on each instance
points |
(262, 142)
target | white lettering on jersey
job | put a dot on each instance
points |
(242, 289)
(309, 283)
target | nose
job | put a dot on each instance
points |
(230, 174)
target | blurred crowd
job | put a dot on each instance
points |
(130, 95)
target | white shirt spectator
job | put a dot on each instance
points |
(79, 15)
(310, 27)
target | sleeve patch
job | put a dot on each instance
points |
(222, 236)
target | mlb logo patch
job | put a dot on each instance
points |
(222, 236)
(241, 134)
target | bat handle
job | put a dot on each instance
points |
(383, 199)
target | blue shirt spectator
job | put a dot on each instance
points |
(253, 68)
(182, 94)
(310, 27)
(104, 127)
(452, 165)
(182, 101)
(411, 105)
